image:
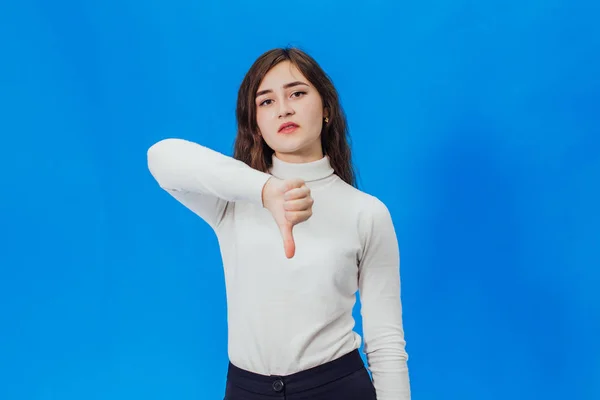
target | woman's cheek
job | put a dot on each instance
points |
(265, 119)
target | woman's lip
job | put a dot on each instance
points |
(287, 125)
(289, 128)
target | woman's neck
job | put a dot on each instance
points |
(308, 171)
(297, 158)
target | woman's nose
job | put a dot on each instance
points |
(285, 109)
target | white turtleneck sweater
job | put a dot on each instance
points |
(287, 315)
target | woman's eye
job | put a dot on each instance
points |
(298, 94)
(265, 103)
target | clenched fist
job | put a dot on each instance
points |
(290, 203)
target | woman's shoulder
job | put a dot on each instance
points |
(367, 204)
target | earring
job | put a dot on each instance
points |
(326, 119)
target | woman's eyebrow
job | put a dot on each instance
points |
(286, 86)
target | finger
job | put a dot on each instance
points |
(297, 193)
(289, 245)
(298, 205)
(293, 184)
(296, 217)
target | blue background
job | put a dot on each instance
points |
(477, 123)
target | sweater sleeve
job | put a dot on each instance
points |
(202, 179)
(381, 309)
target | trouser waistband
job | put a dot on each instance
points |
(299, 381)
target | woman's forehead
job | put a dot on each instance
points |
(280, 75)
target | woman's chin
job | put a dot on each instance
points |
(288, 147)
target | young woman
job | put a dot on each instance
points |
(298, 240)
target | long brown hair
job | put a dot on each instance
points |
(251, 148)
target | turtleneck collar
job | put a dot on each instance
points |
(310, 171)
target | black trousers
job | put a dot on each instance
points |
(345, 378)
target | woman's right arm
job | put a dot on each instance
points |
(202, 179)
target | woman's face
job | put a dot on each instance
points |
(289, 114)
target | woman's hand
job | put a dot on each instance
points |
(290, 203)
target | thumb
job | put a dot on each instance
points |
(288, 239)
